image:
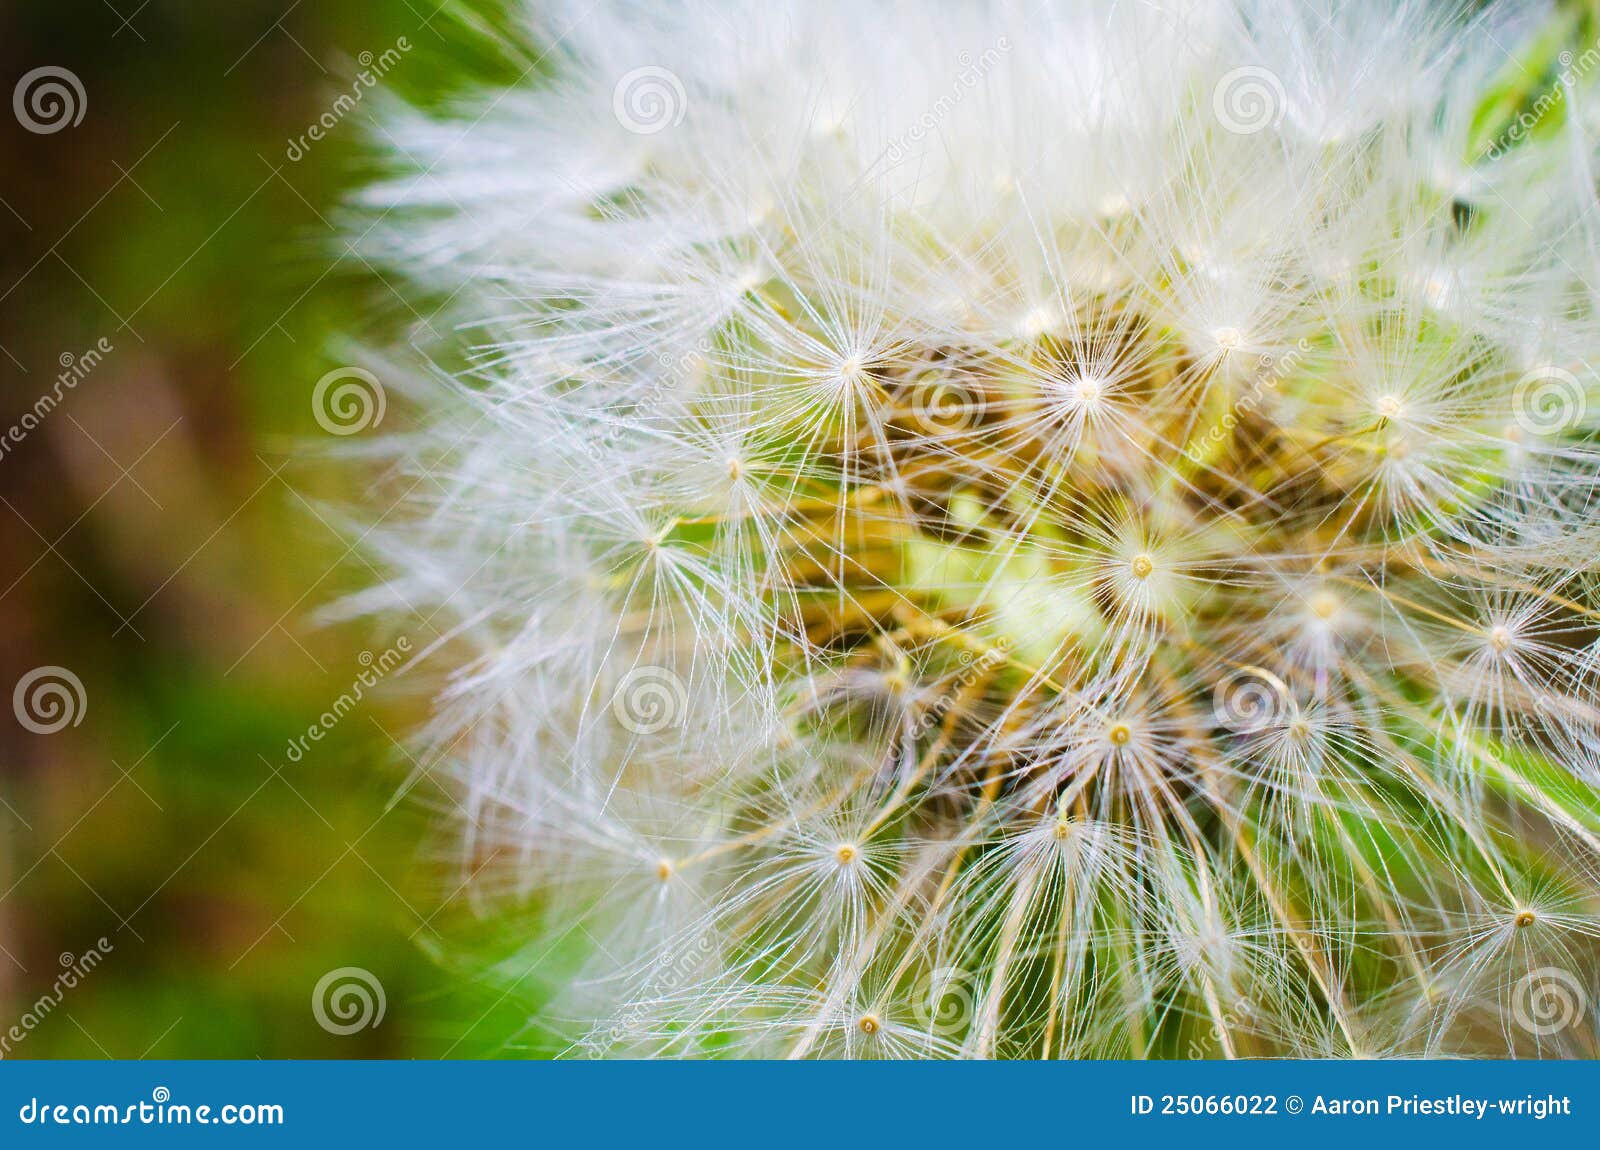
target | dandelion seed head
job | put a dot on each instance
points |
(968, 537)
(1227, 339)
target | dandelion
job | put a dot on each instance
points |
(1113, 554)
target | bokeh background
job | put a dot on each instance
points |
(166, 537)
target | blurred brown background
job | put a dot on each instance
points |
(173, 289)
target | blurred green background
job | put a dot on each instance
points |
(160, 539)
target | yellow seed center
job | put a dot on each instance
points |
(1141, 566)
(664, 869)
(1324, 604)
(845, 853)
(869, 1024)
(1525, 918)
(1119, 734)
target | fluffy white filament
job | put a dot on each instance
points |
(1014, 530)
